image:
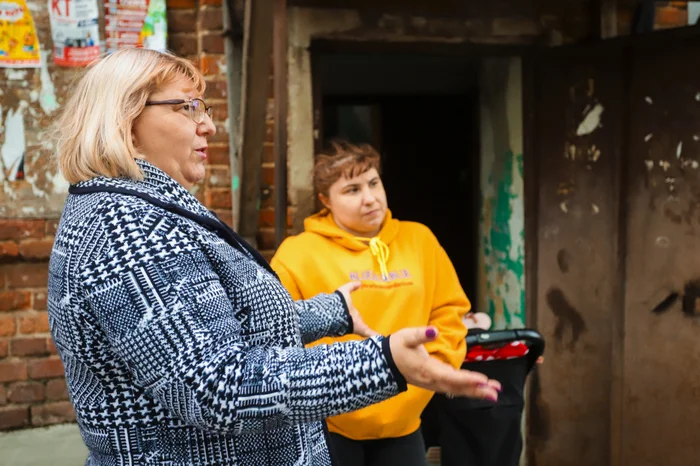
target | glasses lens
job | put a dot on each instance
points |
(198, 110)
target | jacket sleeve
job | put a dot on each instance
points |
(450, 304)
(324, 315)
(171, 323)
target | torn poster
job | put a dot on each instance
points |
(19, 44)
(137, 23)
(75, 31)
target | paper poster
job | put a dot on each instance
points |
(19, 44)
(138, 23)
(75, 31)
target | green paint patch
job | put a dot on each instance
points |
(236, 183)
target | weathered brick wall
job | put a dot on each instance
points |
(32, 389)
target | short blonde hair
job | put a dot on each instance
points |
(93, 129)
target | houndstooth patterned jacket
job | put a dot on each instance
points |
(180, 345)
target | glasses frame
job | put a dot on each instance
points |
(190, 102)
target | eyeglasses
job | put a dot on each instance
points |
(197, 108)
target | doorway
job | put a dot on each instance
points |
(421, 113)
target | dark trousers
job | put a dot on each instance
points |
(401, 451)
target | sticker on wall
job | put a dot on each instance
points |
(19, 44)
(137, 23)
(75, 31)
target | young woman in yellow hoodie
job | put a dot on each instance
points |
(406, 280)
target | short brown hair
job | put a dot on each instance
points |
(343, 158)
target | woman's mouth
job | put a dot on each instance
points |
(202, 151)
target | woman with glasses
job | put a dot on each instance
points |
(180, 345)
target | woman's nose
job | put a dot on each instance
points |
(206, 127)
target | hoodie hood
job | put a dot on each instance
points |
(323, 224)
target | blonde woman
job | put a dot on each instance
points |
(180, 344)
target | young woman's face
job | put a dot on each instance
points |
(358, 204)
(170, 139)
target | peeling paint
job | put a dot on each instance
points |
(47, 95)
(591, 121)
(15, 74)
(14, 147)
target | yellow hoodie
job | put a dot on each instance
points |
(419, 287)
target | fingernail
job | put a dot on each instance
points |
(493, 398)
(430, 333)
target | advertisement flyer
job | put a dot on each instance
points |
(75, 31)
(19, 44)
(138, 23)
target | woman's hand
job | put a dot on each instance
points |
(359, 326)
(416, 365)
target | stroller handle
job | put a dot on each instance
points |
(532, 339)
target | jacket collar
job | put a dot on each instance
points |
(157, 184)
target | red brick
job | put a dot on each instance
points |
(181, 21)
(12, 418)
(56, 389)
(13, 371)
(45, 368)
(671, 16)
(210, 2)
(37, 322)
(9, 250)
(39, 301)
(221, 135)
(28, 275)
(28, 347)
(211, 18)
(270, 132)
(8, 327)
(3, 281)
(3, 395)
(51, 346)
(266, 218)
(21, 229)
(225, 216)
(27, 392)
(179, 4)
(219, 112)
(183, 43)
(36, 248)
(211, 64)
(4, 348)
(216, 89)
(15, 300)
(219, 176)
(268, 176)
(51, 227)
(219, 198)
(218, 155)
(52, 413)
(268, 153)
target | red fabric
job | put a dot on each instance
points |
(517, 349)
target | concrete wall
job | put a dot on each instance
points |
(501, 290)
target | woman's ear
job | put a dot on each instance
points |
(324, 200)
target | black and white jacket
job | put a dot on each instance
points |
(180, 345)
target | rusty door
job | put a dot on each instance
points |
(613, 198)
(574, 160)
(660, 416)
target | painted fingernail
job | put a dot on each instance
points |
(430, 333)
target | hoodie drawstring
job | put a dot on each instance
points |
(380, 251)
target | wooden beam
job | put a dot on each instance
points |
(279, 65)
(257, 49)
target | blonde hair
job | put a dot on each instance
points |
(93, 129)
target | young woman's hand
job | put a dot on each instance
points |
(422, 370)
(359, 326)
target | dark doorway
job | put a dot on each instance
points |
(426, 129)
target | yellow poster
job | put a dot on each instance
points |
(19, 44)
